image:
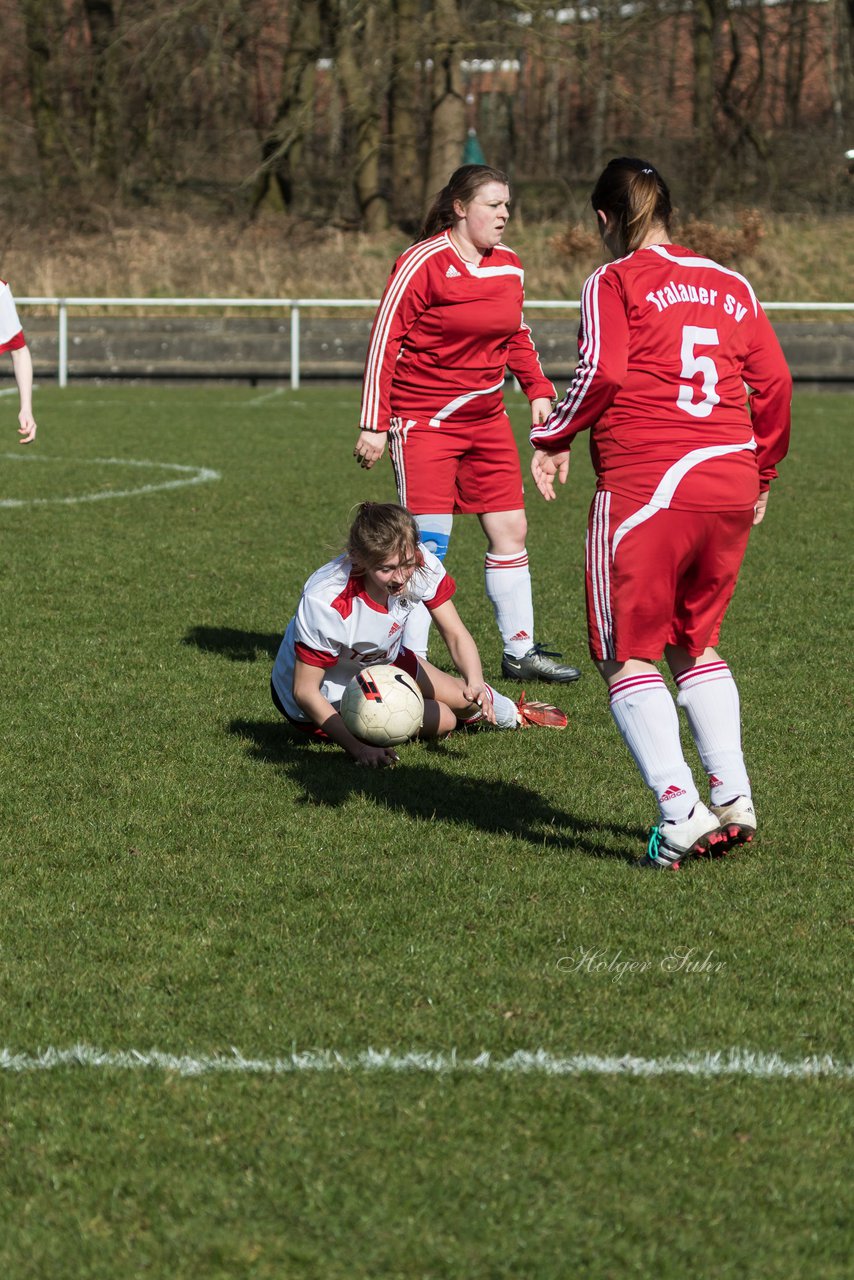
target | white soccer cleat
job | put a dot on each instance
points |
(670, 843)
(738, 822)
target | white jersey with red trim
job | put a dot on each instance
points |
(445, 334)
(667, 342)
(337, 626)
(11, 333)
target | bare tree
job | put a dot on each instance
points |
(796, 56)
(407, 86)
(105, 102)
(707, 15)
(283, 148)
(448, 108)
(361, 108)
(840, 66)
(43, 26)
(363, 72)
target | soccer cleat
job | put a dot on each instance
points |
(539, 713)
(737, 821)
(670, 843)
(467, 724)
(538, 664)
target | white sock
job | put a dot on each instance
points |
(435, 532)
(709, 697)
(506, 715)
(646, 717)
(506, 711)
(508, 585)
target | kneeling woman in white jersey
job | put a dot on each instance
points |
(351, 615)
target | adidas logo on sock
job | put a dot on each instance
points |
(451, 272)
(714, 781)
(672, 793)
(520, 635)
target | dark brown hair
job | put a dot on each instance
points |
(463, 185)
(381, 530)
(635, 196)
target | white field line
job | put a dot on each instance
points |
(189, 475)
(267, 395)
(729, 1062)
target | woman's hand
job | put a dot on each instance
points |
(369, 448)
(544, 468)
(27, 429)
(540, 410)
(479, 695)
(375, 757)
(760, 507)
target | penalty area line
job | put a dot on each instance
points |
(537, 1062)
(189, 475)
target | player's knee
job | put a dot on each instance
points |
(439, 719)
(506, 535)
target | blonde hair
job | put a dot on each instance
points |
(635, 197)
(379, 531)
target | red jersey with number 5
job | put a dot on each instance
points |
(667, 342)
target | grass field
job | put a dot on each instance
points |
(179, 874)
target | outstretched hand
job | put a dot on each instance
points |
(369, 448)
(544, 468)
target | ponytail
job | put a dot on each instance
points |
(635, 197)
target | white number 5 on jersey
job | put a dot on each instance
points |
(692, 364)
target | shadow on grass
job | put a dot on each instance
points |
(328, 779)
(237, 646)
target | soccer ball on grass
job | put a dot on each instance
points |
(382, 705)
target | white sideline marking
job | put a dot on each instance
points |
(9, 391)
(728, 1062)
(190, 475)
(268, 395)
(100, 401)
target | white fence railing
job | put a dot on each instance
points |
(295, 306)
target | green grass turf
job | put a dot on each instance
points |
(178, 872)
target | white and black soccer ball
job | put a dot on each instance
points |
(382, 705)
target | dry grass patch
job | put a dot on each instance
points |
(178, 255)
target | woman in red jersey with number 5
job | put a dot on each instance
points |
(448, 328)
(684, 456)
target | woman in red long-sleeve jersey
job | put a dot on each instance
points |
(448, 328)
(684, 457)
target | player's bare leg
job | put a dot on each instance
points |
(445, 702)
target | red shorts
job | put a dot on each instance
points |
(469, 468)
(656, 576)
